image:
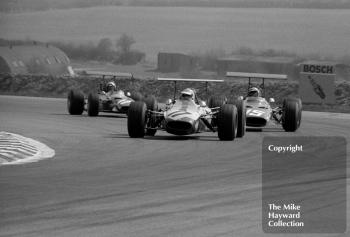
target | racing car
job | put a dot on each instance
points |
(187, 115)
(107, 99)
(259, 112)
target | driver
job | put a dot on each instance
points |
(254, 92)
(187, 94)
(111, 88)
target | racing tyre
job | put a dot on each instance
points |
(151, 132)
(136, 96)
(241, 113)
(216, 101)
(152, 104)
(75, 102)
(290, 115)
(227, 122)
(300, 104)
(137, 119)
(93, 105)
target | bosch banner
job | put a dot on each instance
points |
(317, 83)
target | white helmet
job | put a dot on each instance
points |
(254, 92)
(111, 85)
(187, 94)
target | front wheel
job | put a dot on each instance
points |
(300, 109)
(93, 105)
(75, 102)
(137, 119)
(290, 115)
(227, 122)
(241, 112)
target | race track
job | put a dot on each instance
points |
(103, 183)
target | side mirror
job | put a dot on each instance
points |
(272, 100)
(240, 97)
(169, 102)
(202, 104)
(128, 94)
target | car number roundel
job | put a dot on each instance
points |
(254, 112)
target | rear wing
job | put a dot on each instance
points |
(257, 75)
(114, 75)
(188, 80)
(261, 76)
(111, 75)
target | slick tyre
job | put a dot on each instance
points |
(241, 113)
(75, 102)
(216, 101)
(300, 109)
(137, 119)
(151, 132)
(227, 122)
(93, 105)
(152, 105)
(290, 115)
(136, 96)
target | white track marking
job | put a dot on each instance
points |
(16, 149)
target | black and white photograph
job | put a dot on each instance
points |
(191, 118)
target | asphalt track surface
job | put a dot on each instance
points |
(103, 183)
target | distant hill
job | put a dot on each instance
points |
(42, 5)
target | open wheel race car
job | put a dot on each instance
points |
(259, 112)
(107, 99)
(187, 115)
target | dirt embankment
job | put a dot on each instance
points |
(46, 86)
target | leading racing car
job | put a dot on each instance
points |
(187, 115)
(259, 112)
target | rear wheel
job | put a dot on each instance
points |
(152, 105)
(216, 101)
(75, 102)
(136, 96)
(290, 115)
(227, 122)
(93, 105)
(137, 119)
(241, 112)
(151, 102)
(151, 132)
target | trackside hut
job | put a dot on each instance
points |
(175, 62)
(258, 64)
(33, 59)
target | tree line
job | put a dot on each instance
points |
(118, 52)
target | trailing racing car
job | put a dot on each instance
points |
(187, 115)
(259, 112)
(107, 99)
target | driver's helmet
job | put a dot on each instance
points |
(187, 94)
(254, 92)
(111, 86)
